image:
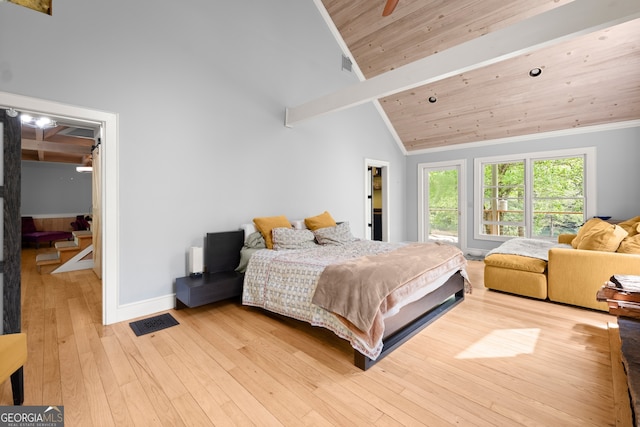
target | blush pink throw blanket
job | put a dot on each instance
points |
(359, 290)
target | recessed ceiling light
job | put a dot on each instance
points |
(432, 99)
(41, 122)
(535, 72)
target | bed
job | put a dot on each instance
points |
(305, 280)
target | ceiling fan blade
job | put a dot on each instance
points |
(389, 7)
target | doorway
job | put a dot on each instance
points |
(442, 201)
(376, 200)
(107, 196)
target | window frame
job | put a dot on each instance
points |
(423, 170)
(590, 198)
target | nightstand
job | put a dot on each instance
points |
(207, 288)
(221, 281)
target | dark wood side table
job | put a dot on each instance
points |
(220, 281)
(207, 288)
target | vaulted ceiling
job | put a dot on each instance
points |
(589, 77)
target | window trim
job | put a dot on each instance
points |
(590, 203)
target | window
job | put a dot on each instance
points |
(539, 195)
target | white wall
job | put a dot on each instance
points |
(54, 189)
(200, 90)
(617, 175)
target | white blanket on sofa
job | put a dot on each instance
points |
(532, 248)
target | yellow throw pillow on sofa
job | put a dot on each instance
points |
(603, 237)
(268, 223)
(320, 221)
(633, 230)
(630, 224)
(585, 229)
(630, 245)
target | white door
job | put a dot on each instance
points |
(442, 200)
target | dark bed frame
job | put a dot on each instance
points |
(414, 317)
(224, 249)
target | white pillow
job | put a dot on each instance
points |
(299, 224)
(248, 229)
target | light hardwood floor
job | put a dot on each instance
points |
(494, 360)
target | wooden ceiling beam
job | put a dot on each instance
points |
(75, 140)
(554, 26)
(38, 141)
(54, 147)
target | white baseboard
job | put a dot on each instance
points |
(476, 252)
(143, 308)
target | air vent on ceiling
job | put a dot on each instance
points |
(346, 63)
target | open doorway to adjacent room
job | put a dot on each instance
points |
(376, 200)
(103, 126)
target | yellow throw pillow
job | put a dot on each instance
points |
(585, 229)
(603, 237)
(267, 223)
(633, 230)
(630, 245)
(630, 223)
(320, 221)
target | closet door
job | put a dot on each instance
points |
(11, 223)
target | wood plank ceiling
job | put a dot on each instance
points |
(588, 80)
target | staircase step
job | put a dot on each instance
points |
(47, 261)
(47, 258)
(83, 238)
(67, 250)
(67, 246)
